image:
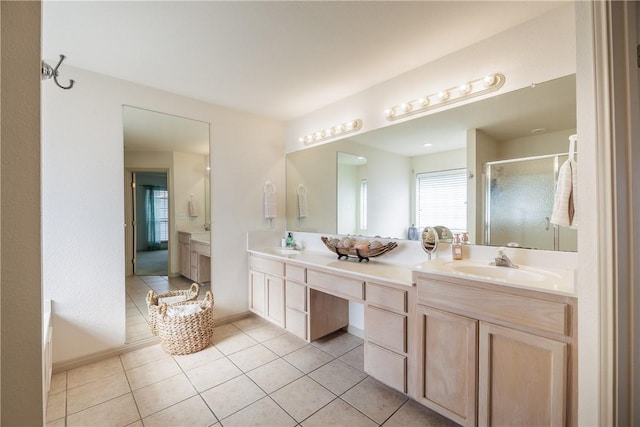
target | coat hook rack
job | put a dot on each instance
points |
(47, 72)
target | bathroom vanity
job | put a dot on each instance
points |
(479, 350)
(195, 255)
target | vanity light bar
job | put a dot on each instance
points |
(477, 87)
(332, 132)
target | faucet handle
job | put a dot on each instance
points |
(501, 251)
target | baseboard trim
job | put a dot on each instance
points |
(355, 331)
(126, 348)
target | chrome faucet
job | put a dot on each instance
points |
(502, 260)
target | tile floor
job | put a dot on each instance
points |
(137, 288)
(253, 374)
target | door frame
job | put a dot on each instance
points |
(130, 218)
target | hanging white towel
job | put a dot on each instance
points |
(269, 200)
(565, 201)
(302, 201)
(193, 208)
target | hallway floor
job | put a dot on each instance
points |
(253, 374)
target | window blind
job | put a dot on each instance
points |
(441, 199)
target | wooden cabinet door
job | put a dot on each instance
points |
(257, 292)
(522, 378)
(274, 287)
(185, 260)
(448, 364)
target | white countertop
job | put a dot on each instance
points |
(372, 270)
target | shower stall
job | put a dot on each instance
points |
(519, 197)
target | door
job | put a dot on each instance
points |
(130, 223)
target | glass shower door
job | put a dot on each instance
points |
(519, 201)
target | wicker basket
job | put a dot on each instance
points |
(190, 294)
(186, 334)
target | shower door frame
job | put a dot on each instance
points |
(487, 193)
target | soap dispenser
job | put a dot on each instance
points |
(456, 248)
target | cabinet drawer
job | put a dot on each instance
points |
(296, 323)
(201, 248)
(296, 296)
(296, 273)
(386, 366)
(268, 266)
(386, 297)
(516, 310)
(386, 328)
(343, 286)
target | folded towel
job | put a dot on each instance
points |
(269, 200)
(183, 310)
(302, 201)
(565, 201)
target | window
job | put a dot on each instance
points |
(363, 204)
(161, 208)
(441, 199)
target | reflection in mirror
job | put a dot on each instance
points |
(351, 192)
(532, 121)
(178, 148)
(429, 240)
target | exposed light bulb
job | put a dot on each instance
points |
(423, 101)
(490, 80)
(443, 95)
(427, 145)
(405, 107)
(464, 88)
(389, 112)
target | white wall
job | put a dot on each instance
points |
(83, 202)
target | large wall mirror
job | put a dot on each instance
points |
(508, 147)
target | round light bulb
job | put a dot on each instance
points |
(443, 95)
(330, 131)
(405, 107)
(490, 80)
(389, 112)
(464, 89)
(423, 101)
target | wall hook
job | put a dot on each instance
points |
(47, 72)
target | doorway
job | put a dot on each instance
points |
(150, 223)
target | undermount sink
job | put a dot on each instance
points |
(284, 251)
(507, 274)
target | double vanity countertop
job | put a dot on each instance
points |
(550, 280)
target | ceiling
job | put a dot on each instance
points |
(277, 59)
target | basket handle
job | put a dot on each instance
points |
(195, 288)
(150, 297)
(162, 309)
(208, 297)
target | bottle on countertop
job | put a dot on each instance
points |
(289, 241)
(456, 247)
(412, 233)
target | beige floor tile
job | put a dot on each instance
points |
(274, 375)
(339, 414)
(161, 395)
(136, 424)
(145, 355)
(265, 412)
(252, 357)
(374, 399)
(354, 358)
(191, 412)
(250, 322)
(132, 311)
(61, 422)
(337, 376)
(137, 319)
(302, 398)
(120, 411)
(152, 372)
(193, 360)
(93, 371)
(95, 392)
(284, 344)
(56, 406)
(412, 413)
(308, 358)
(233, 343)
(266, 332)
(139, 328)
(225, 331)
(338, 343)
(213, 373)
(58, 383)
(233, 395)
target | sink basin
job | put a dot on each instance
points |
(499, 273)
(283, 251)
